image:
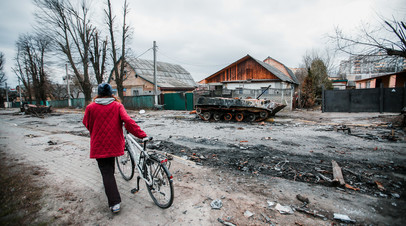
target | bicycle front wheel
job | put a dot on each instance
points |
(125, 165)
(161, 189)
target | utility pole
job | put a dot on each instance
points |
(67, 79)
(155, 71)
(19, 90)
(7, 96)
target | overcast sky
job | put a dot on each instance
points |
(206, 35)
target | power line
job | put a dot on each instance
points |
(143, 53)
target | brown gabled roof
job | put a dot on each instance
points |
(289, 77)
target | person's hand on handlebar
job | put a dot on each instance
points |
(147, 139)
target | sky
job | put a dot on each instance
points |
(204, 36)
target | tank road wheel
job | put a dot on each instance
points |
(228, 116)
(263, 114)
(206, 115)
(217, 116)
(198, 111)
(239, 116)
(251, 117)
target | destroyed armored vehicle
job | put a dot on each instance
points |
(219, 108)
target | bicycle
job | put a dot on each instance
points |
(152, 167)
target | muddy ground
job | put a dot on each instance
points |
(250, 167)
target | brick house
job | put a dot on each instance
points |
(391, 80)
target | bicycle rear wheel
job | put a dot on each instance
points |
(125, 165)
(161, 190)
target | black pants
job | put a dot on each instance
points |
(106, 166)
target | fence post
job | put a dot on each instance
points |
(404, 96)
(291, 97)
(322, 98)
(381, 98)
(350, 100)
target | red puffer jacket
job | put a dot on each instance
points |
(105, 124)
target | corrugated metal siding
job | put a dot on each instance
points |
(138, 102)
(178, 101)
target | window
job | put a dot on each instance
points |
(239, 90)
(264, 89)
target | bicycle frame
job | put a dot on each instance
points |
(143, 155)
(152, 167)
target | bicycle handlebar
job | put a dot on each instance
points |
(147, 139)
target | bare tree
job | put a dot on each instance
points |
(30, 64)
(72, 32)
(22, 73)
(3, 77)
(98, 56)
(58, 91)
(389, 38)
(125, 35)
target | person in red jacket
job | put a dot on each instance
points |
(104, 119)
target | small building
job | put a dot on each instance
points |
(339, 84)
(391, 80)
(139, 78)
(250, 73)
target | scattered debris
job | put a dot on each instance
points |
(344, 128)
(52, 142)
(343, 218)
(337, 174)
(395, 195)
(225, 222)
(303, 198)
(313, 213)
(351, 187)
(380, 186)
(325, 178)
(248, 214)
(267, 219)
(270, 204)
(216, 204)
(35, 110)
(30, 135)
(284, 209)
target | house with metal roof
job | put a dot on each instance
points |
(250, 73)
(139, 78)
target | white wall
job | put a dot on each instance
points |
(257, 85)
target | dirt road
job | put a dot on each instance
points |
(251, 168)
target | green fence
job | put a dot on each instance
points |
(76, 103)
(171, 101)
(178, 101)
(17, 104)
(58, 103)
(138, 102)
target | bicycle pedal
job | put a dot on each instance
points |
(134, 191)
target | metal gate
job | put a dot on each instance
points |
(364, 100)
(178, 101)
